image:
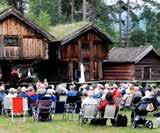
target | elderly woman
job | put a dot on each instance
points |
(12, 93)
(89, 99)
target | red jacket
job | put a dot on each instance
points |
(103, 104)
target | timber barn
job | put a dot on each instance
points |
(87, 45)
(133, 63)
(21, 42)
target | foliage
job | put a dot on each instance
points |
(144, 24)
(44, 20)
(137, 37)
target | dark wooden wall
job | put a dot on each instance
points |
(152, 61)
(118, 71)
(31, 45)
(88, 49)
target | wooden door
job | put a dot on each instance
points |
(86, 71)
(146, 73)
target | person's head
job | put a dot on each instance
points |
(30, 88)
(23, 89)
(109, 96)
(12, 90)
(50, 91)
(45, 80)
(71, 87)
(107, 86)
(2, 88)
(114, 86)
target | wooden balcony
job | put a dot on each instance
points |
(9, 52)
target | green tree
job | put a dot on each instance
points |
(44, 20)
(137, 37)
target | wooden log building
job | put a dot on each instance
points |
(87, 45)
(135, 63)
(21, 42)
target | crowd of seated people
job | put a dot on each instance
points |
(101, 95)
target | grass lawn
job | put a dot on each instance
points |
(61, 126)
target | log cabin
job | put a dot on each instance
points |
(133, 63)
(87, 45)
(22, 42)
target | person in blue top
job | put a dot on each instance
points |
(72, 92)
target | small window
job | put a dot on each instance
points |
(85, 46)
(11, 40)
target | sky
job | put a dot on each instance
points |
(132, 1)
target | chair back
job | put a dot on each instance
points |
(44, 104)
(129, 101)
(89, 111)
(62, 98)
(110, 111)
(7, 103)
(83, 97)
(17, 105)
(158, 99)
(25, 104)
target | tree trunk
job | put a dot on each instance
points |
(84, 10)
(92, 10)
(72, 10)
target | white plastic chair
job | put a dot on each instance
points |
(110, 111)
(89, 111)
(129, 101)
(7, 105)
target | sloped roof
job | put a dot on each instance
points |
(11, 11)
(130, 54)
(62, 30)
(66, 33)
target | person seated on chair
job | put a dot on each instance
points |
(2, 93)
(23, 94)
(89, 99)
(102, 106)
(12, 93)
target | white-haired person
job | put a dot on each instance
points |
(50, 93)
(12, 93)
(89, 99)
(98, 91)
(107, 88)
(23, 94)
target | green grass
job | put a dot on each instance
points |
(62, 30)
(61, 126)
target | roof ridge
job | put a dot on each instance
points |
(20, 16)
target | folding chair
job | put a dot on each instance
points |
(62, 98)
(19, 108)
(129, 101)
(70, 108)
(7, 106)
(89, 111)
(158, 99)
(110, 111)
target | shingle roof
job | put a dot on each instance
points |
(130, 54)
(11, 11)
